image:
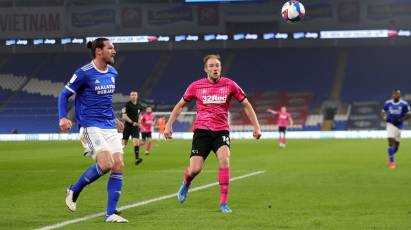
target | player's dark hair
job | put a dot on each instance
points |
(97, 43)
(216, 56)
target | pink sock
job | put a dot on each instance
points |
(148, 147)
(224, 180)
(283, 140)
(187, 178)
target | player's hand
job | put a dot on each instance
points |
(119, 125)
(396, 122)
(257, 134)
(65, 124)
(168, 132)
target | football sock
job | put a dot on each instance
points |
(391, 152)
(137, 151)
(224, 181)
(187, 178)
(89, 176)
(148, 147)
(114, 186)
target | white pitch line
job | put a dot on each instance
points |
(141, 203)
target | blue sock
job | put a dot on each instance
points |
(391, 152)
(91, 174)
(114, 186)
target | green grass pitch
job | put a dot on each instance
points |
(312, 184)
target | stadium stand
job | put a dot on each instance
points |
(271, 78)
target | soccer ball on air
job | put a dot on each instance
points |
(293, 11)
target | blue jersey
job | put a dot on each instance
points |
(94, 96)
(396, 111)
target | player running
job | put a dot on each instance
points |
(213, 95)
(147, 120)
(94, 85)
(161, 125)
(283, 121)
(131, 113)
(395, 112)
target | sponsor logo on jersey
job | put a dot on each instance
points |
(396, 111)
(214, 99)
(104, 89)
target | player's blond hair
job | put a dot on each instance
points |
(210, 56)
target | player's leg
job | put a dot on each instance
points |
(148, 143)
(114, 188)
(223, 154)
(222, 144)
(115, 182)
(201, 147)
(391, 152)
(195, 167)
(136, 143)
(397, 146)
(392, 133)
(284, 136)
(143, 139)
(280, 136)
(95, 171)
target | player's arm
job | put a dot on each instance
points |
(127, 119)
(384, 115)
(290, 119)
(384, 112)
(407, 113)
(119, 125)
(178, 108)
(249, 111)
(272, 111)
(76, 82)
(140, 121)
(64, 123)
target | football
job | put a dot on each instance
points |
(293, 11)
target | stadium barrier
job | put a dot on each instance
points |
(363, 134)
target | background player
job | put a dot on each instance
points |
(147, 120)
(213, 95)
(161, 125)
(395, 111)
(94, 86)
(131, 113)
(284, 119)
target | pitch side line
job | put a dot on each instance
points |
(141, 203)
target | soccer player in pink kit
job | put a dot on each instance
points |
(213, 95)
(147, 120)
(284, 119)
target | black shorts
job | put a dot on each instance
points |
(134, 132)
(206, 140)
(282, 129)
(145, 135)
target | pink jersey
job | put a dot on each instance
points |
(147, 122)
(283, 118)
(213, 101)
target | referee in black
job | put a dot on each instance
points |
(131, 113)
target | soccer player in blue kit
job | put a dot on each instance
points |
(395, 112)
(94, 85)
